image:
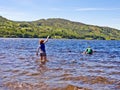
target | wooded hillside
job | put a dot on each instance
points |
(56, 28)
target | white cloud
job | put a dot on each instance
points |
(23, 2)
(96, 9)
(12, 14)
(5, 10)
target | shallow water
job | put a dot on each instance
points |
(67, 68)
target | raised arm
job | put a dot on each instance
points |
(46, 39)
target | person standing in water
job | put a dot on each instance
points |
(88, 51)
(42, 50)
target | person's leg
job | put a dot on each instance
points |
(41, 57)
(45, 58)
(42, 60)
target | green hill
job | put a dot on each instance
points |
(56, 28)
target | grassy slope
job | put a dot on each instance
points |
(56, 28)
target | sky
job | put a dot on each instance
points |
(92, 12)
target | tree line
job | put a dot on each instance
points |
(55, 28)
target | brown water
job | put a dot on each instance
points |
(67, 68)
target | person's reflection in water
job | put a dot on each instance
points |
(41, 66)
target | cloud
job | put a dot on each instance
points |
(22, 2)
(97, 9)
(10, 11)
(12, 14)
(85, 9)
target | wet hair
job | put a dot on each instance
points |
(41, 41)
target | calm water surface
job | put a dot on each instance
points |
(20, 68)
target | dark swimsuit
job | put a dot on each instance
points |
(42, 49)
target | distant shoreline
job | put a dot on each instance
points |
(57, 28)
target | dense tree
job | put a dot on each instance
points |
(56, 28)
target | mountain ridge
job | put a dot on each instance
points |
(56, 28)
